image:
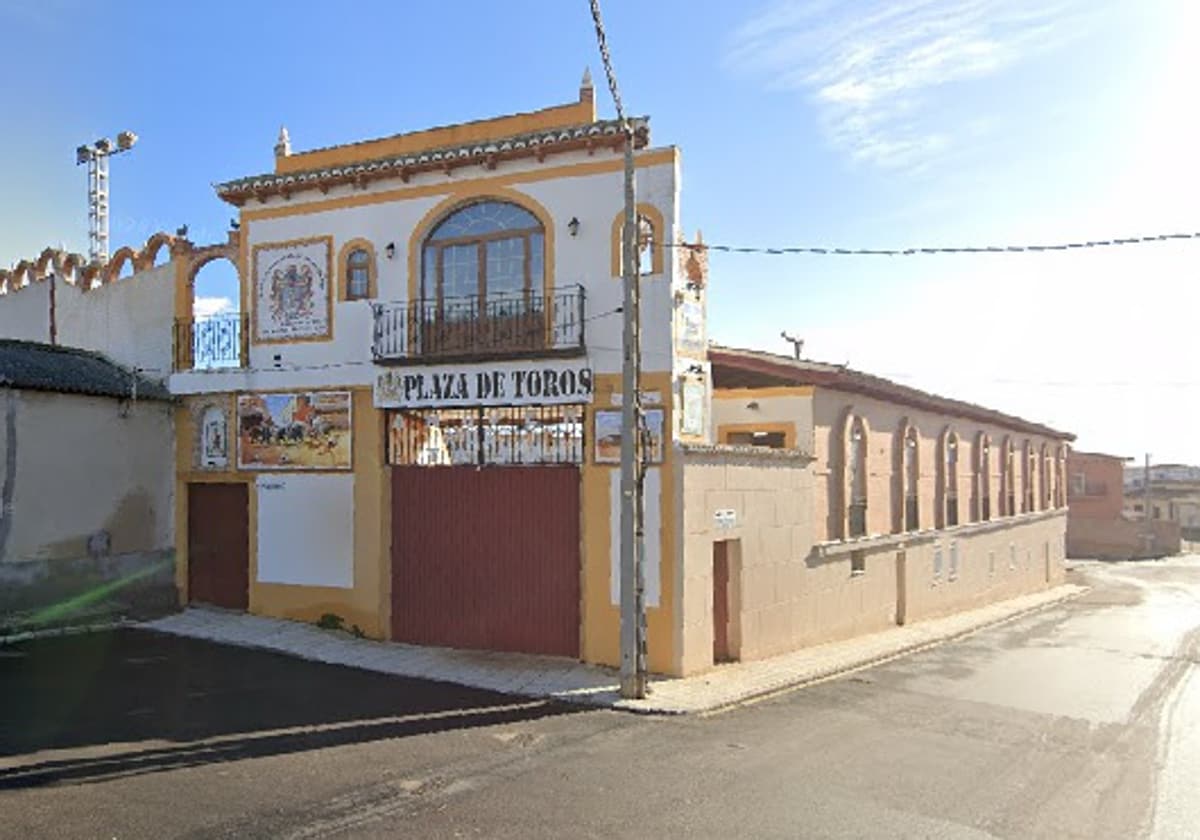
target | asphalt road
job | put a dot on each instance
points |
(1082, 720)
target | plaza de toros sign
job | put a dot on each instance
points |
(539, 383)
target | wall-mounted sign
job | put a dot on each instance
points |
(304, 431)
(531, 383)
(608, 436)
(724, 519)
(292, 295)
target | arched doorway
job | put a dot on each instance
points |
(215, 335)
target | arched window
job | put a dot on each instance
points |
(1047, 476)
(1027, 476)
(983, 477)
(856, 479)
(356, 270)
(950, 477)
(912, 480)
(489, 248)
(358, 275)
(482, 275)
(1060, 478)
(649, 241)
(1008, 479)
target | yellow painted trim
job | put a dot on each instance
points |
(788, 429)
(343, 268)
(600, 629)
(329, 284)
(244, 267)
(657, 224)
(773, 391)
(556, 116)
(470, 193)
(656, 157)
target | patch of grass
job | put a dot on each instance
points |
(331, 621)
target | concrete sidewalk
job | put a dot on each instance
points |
(571, 681)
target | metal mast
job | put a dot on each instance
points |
(96, 157)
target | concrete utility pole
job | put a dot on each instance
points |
(633, 607)
(633, 604)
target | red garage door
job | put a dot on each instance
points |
(486, 558)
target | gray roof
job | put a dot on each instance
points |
(34, 366)
(462, 153)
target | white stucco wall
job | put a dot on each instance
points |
(130, 320)
(82, 467)
(593, 198)
(25, 312)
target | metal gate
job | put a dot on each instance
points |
(219, 544)
(486, 558)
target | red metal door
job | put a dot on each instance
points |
(486, 558)
(721, 602)
(219, 544)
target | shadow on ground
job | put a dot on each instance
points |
(104, 692)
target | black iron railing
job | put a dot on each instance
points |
(500, 324)
(214, 341)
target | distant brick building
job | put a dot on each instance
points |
(1097, 526)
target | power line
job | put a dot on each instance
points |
(918, 251)
(606, 59)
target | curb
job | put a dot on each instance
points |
(67, 630)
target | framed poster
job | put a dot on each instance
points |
(608, 436)
(294, 431)
(292, 292)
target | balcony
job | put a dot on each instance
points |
(500, 325)
(212, 342)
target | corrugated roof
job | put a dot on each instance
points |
(736, 367)
(34, 366)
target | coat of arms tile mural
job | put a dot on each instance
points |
(292, 291)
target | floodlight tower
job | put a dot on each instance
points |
(96, 157)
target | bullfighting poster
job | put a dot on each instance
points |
(294, 431)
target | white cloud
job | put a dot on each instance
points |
(203, 307)
(873, 70)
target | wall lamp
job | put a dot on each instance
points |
(573, 226)
(390, 250)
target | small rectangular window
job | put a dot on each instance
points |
(937, 562)
(953, 560)
(858, 563)
(1012, 556)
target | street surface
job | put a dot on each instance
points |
(1082, 720)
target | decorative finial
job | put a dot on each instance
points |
(283, 146)
(586, 92)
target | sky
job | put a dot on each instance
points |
(855, 123)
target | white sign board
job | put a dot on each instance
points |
(513, 383)
(306, 530)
